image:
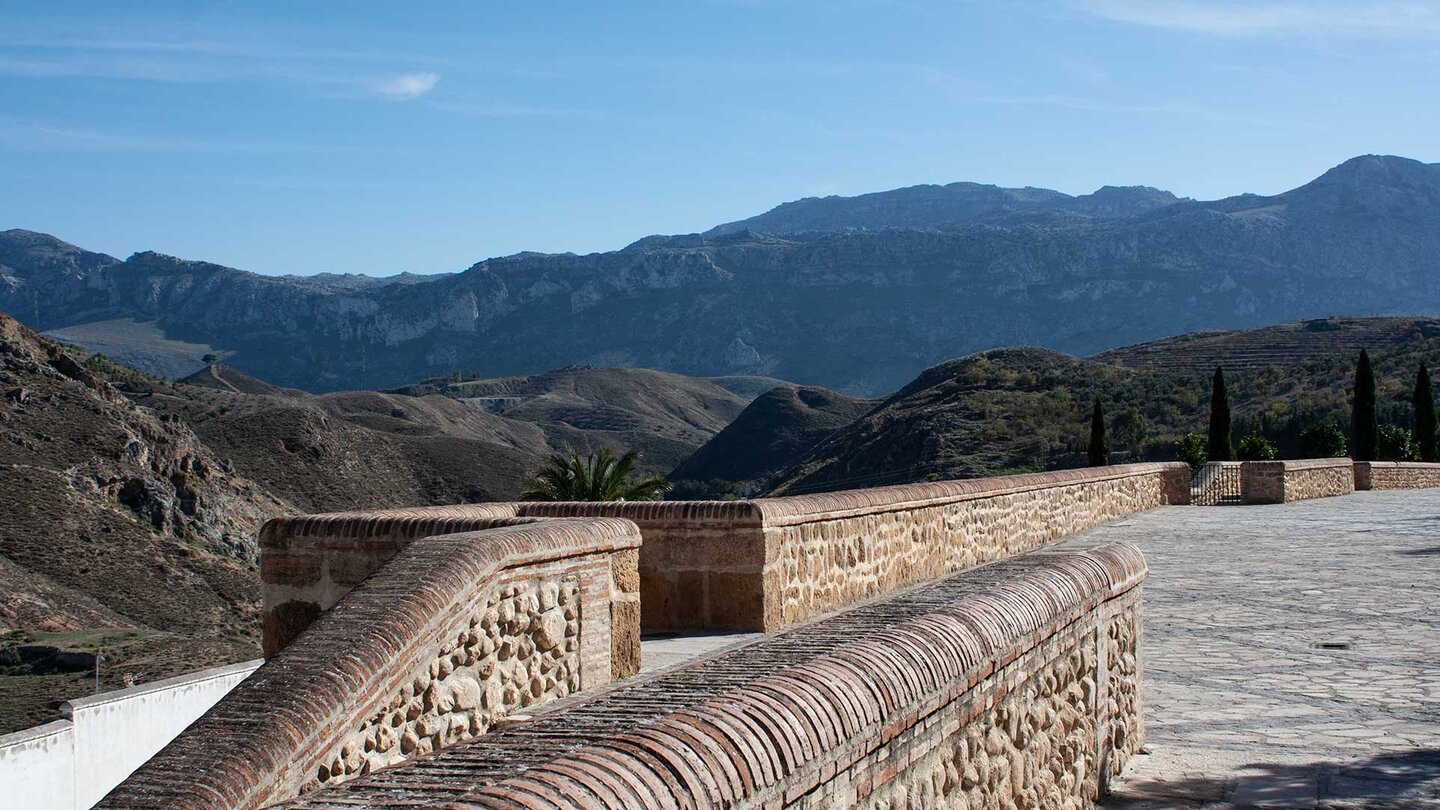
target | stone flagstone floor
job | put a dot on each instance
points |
(1292, 654)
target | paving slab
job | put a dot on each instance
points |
(1292, 654)
(665, 650)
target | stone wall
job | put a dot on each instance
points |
(307, 563)
(1024, 694)
(768, 563)
(1396, 475)
(454, 633)
(836, 548)
(750, 565)
(1286, 481)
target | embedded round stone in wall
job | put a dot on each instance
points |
(494, 696)
(551, 630)
(466, 691)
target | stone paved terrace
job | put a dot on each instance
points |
(1292, 654)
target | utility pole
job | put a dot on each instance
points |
(98, 659)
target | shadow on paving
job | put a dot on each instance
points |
(1401, 779)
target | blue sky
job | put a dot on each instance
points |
(385, 137)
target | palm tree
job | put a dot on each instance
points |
(596, 477)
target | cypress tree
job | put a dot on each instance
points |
(1425, 416)
(1362, 416)
(1218, 446)
(1099, 451)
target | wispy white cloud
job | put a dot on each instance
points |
(1269, 18)
(407, 85)
(193, 56)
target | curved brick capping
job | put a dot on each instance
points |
(1013, 685)
(1297, 480)
(1396, 475)
(456, 631)
(308, 562)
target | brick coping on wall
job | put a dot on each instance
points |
(740, 724)
(409, 523)
(294, 708)
(780, 511)
(1302, 463)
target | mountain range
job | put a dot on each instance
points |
(856, 294)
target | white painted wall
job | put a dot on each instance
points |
(37, 767)
(71, 764)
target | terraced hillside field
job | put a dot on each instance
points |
(1283, 345)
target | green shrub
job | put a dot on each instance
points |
(1256, 448)
(1131, 429)
(1322, 440)
(1191, 449)
(715, 489)
(1393, 443)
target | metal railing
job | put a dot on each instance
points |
(1217, 483)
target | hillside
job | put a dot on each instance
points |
(439, 441)
(224, 378)
(770, 435)
(852, 301)
(1282, 345)
(1010, 410)
(664, 416)
(120, 531)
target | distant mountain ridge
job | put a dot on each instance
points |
(930, 206)
(870, 290)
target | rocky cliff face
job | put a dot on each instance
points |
(120, 533)
(834, 303)
(64, 422)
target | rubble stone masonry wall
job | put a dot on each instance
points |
(768, 563)
(450, 636)
(1287, 481)
(838, 548)
(1396, 475)
(750, 565)
(1022, 694)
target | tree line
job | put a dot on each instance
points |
(1372, 440)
